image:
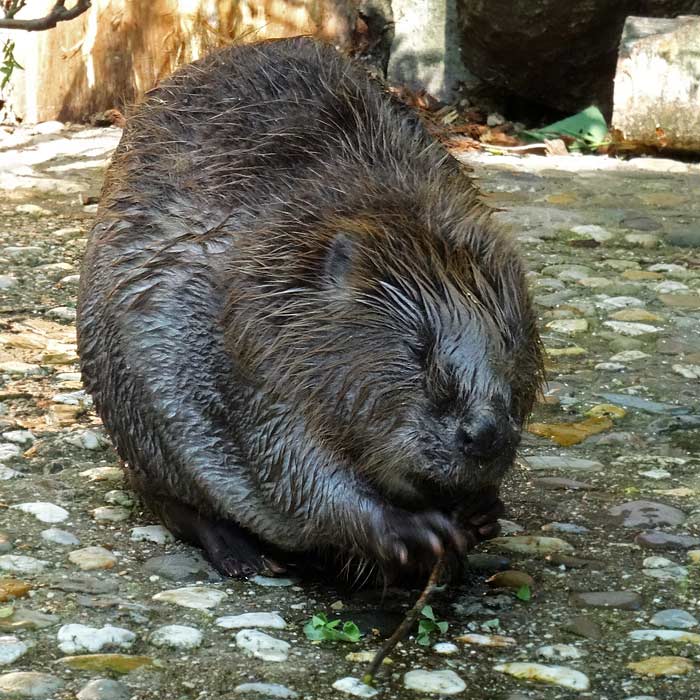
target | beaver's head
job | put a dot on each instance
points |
(407, 345)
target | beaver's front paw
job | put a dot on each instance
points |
(479, 520)
(410, 543)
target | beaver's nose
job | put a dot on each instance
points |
(485, 435)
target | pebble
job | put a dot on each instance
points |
(20, 564)
(597, 233)
(662, 666)
(8, 451)
(675, 619)
(196, 597)
(268, 690)
(19, 437)
(255, 619)
(183, 567)
(656, 539)
(75, 638)
(111, 514)
(446, 648)
(556, 652)
(568, 528)
(44, 512)
(17, 368)
(88, 440)
(438, 682)
(29, 684)
(556, 675)
(620, 600)
(664, 636)
(7, 281)
(486, 640)
(152, 533)
(6, 473)
(562, 463)
(647, 514)
(92, 558)
(103, 474)
(117, 663)
(104, 689)
(630, 328)
(569, 326)
(354, 686)
(272, 582)
(630, 356)
(511, 579)
(176, 637)
(532, 544)
(262, 646)
(11, 649)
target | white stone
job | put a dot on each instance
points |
(563, 463)
(8, 451)
(687, 371)
(269, 690)
(19, 564)
(557, 675)
(87, 440)
(60, 537)
(20, 437)
(262, 646)
(532, 544)
(103, 474)
(671, 287)
(556, 652)
(176, 637)
(446, 648)
(11, 649)
(610, 367)
(657, 563)
(597, 233)
(6, 473)
(65, 313)
(665, 636)
(568, 326)
(111, 514)
(75, 639)
(354, 686)
(196, 597)
(92, 558)
(439, 682)
(19, 368)
(29, 684)
(631, 328)
(255, 619)
(629, 356)
(152, 533)
(611, 303)
(44, 512)
(656, 474)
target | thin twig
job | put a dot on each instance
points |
(411, 617)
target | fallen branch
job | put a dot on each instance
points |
(411, 617)
(58, 13)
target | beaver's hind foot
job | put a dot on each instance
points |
(231, 550)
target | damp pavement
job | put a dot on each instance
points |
(591, 592)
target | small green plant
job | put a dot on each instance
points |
(428, 626)
(319, 628)
(6, 611)
(9, 63)
(524, 593)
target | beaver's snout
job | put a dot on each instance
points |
(486, 435)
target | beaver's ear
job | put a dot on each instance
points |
(339, 259)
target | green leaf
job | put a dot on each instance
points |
(427, 611)
(587, 128)
(442, 626)
(6, 611)
(319, 628)
(524, 593)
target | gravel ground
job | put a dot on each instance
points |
(592, 592)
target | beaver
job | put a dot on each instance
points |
(298, 323)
